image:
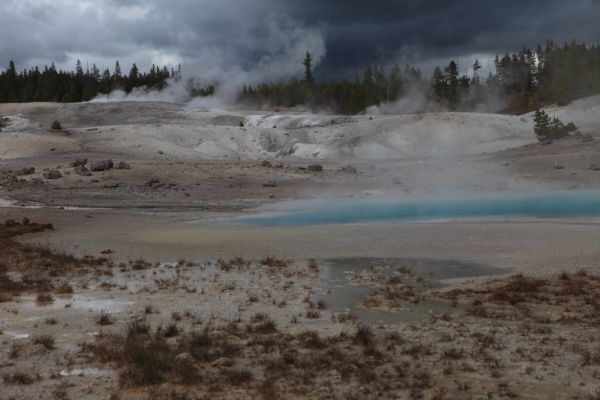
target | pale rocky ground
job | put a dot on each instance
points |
(192, 168)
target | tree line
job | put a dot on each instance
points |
(522, 82)
(52, 84)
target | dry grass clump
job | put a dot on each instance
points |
(234, 263)
(43, 299)
(5, 298)
(171, 330)
(45, 340)
(140, 265)
(261, 323)
(275, 263)
(65, 288)
(104, 319)
(516, 289)
(19, 378)
(37, 265)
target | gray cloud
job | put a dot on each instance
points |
(266, 38)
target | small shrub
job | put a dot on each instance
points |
(138, 327)
(238, 376)
(272, 262)
(363, 336)
(56, 126)
(65, 288)
(19, 378)
(44, 299)
(46, 340)
(149, 309)
(104, 319)
(312, 340)
(262, 323)
(547, 128)
(171, 331)
(5, 298)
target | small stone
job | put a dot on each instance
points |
(595, 167)
(52, 174)
(26, 171)
(558, 166)
(349, 169)
(78, 162)
(99, 166)
(56, 126)
(315, 168)
(82, 171)
(123, 165)
(184, 358)
(270, 184)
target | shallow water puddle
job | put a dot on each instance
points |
(84, 372)
(78, 302)
(346, 295)
(17, 335)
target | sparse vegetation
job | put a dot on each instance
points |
(548, 129)
(44, 299)
(46, 340)
(104, 319)
(509, 333)
(19, 378)
(65, 288)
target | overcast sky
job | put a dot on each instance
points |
(267, 38)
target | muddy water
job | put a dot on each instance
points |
(341, 295)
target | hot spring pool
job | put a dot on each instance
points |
(573, 203)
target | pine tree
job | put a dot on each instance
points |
(308, 76)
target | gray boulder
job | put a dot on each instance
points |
(78, 162)
(52, 174)
(81, 170)
(99, 166)
(123, 165)
(349, 169)
(26, 171)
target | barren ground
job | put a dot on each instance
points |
(432, 310)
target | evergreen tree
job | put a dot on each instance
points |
(308, 75)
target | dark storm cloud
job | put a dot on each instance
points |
(245, 35)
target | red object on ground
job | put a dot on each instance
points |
(106, 251)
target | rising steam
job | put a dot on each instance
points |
(280, 57)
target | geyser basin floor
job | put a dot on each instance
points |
(321, 212)
(530, 245)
